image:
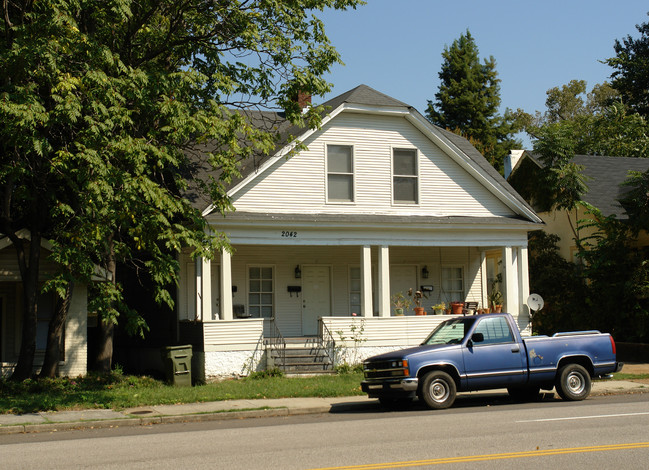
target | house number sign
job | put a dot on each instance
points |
(289, 234)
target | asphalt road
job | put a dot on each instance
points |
(490, 433)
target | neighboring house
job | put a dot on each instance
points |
(75, 339)
(605, 177)
(381, 201)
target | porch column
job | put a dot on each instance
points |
(384, 281)
(226, 285)
(366, 280)
(198, 301)
(206, 288)
(483, 280)
(511, 280)
(523, 281)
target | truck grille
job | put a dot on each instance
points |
(385, 369)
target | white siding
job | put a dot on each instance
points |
(297, 184)
(233, 335)
(288, 308)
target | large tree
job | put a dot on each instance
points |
(103, 105)
(630, 76)
(468, 101)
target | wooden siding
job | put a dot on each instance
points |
(235, 335)
(283, 259)
(389, 331)
(297, 184)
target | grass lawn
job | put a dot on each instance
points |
(118, 391)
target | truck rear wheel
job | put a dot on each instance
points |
(438, 390)
(573, 382)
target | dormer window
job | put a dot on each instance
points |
(405, 176)
(340, 173)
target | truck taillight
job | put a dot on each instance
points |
(613, 345)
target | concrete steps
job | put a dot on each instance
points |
(302, 356)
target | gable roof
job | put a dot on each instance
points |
(604, 178)
(365, 99)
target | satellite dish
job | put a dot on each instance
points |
(535, 302)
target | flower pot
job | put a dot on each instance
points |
(439, 311)
(456, 308)
(420, 311)
(398, 312)
(498, 308)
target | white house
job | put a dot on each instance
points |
(381, 201)
(75, 339)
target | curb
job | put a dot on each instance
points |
(208, 416)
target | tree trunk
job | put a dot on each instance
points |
(54, 334)
(106, 327)
(29, 274)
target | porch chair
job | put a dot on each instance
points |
(470, 308)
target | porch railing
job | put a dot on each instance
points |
(327, 341)
(276, 341)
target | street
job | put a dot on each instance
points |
(492, 432)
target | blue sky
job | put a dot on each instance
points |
(395, 46)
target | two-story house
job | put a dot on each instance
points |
(379, 202)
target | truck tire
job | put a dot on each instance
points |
(573, 382)
(438, 390)
(524, 394)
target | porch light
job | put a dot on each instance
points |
(424, 272)
(298, 272)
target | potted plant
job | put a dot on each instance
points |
(400, 302)
(417, 297)
(496, 301)
(439, 308)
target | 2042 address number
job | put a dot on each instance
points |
(289, 234)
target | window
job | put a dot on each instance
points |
(260, 292)
(355, 290)
(340, 173)
(494, 330)
(453, 283)
(405, 179)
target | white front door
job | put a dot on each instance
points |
(316, 297)
(402, 278)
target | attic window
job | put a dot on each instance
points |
(340, 173)
(405, 176)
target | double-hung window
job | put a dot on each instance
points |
(261, 292)
(340, 173)
(405, 176)
(453, 283)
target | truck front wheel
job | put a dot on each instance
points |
(573, 382)
(438, 390)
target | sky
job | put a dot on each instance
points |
(395, 46)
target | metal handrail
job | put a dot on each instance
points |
(327, 341)
(277, 341)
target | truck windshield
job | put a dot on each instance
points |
(451, 331)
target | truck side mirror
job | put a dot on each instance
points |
(477, 337)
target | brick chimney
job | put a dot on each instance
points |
(303, 99)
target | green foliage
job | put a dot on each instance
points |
(561, 285)
(110, 109)
(262, 374)
(636, 201)
(631, 70)
(468, 100)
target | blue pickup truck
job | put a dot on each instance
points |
(482, 352)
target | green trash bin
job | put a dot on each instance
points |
(178, 364)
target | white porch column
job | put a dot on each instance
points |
(523, 281)
(198, 301)
(226, 285)
(384, 281)
(206, 288)
(366, 280)
(483, 280)
(510, 272)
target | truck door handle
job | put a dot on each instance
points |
(516, 349)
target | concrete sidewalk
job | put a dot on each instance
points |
(231, 409)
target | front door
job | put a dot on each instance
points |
(316, 297)
(402, 278)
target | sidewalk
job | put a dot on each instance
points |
(232, 409)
